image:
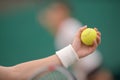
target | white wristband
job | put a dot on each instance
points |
(67, 56)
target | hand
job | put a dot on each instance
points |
(81, 49)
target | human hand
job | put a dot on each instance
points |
(81, 49)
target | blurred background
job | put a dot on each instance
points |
(24, 37)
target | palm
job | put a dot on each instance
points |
(82, 49)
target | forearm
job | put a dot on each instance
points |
(28, 68)
(3, 72)
(24, 71)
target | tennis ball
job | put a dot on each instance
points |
(88, 36)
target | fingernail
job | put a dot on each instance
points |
(96, 28)
(85, 26)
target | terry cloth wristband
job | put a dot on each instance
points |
(67, 56)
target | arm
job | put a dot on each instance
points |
(24, 70)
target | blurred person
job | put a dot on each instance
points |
(74, 52)
(58, 20)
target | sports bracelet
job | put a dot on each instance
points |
(67, 56)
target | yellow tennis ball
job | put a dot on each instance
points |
(88, 36)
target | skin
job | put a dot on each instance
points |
(25, 70)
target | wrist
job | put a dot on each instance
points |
(67, 56)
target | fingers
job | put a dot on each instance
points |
(98, 39)
(83, 28)
(95, 44)
(96, 29)
(98, 36)
(98, 33)
(80, 30)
